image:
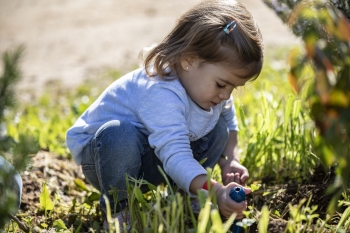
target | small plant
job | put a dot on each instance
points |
(302, 218)
(45, 200)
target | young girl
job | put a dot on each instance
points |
(175, 111)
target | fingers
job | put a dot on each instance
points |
(247, 190)
(237, 178)
(232, 177)
(244, 177)
(233, 207)
(229, 178)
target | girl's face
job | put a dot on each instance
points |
(208, 84)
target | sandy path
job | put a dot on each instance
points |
(73, 40)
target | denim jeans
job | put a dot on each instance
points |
(13, 181)
(119, 148)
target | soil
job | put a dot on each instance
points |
(312, 190)
(60, 175)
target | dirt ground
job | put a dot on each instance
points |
(74, 40)
(60, 174)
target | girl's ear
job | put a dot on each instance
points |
(187, 62)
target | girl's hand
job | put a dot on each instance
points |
(227, 206)
(234, 172)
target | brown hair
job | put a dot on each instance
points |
(199, 32)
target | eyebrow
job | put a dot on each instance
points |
(227, 82)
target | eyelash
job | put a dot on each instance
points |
(220, 86)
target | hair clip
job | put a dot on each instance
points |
(227, 29)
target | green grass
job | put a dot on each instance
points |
(276, 140)
(276, 132)
(49, 116)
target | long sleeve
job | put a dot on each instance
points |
(163, 113)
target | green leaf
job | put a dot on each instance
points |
(296, 108)
(264, 220)
(59, 225)
(79, 228)
(203, 218)
(277, 213)
(44, 225)
(80, 184)
(287, 112)
(203, 161)
(216, 220)
(266, 193)
(139, 195)
(229, 222)
(344, 220)
(255, 187)
(45, 200)
(94, 197)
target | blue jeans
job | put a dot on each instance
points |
(119, 148)
(13, 181)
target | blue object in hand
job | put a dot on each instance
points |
(238, 195)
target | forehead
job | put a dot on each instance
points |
(228, 74)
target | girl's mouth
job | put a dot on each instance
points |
(213, 103)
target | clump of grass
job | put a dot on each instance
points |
(276, 132)
(163, 209)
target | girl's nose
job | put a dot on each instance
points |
(224, 95)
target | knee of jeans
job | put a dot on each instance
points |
(118, 133)
(109, 126)
(117, 130)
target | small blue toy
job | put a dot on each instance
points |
(238, 195)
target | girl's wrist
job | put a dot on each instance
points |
(211, 185)
(216, 187)
(224, 161)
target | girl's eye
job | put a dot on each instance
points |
(220, 86)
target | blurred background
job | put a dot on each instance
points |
(70, 41)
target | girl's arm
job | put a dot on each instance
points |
(231, 169)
